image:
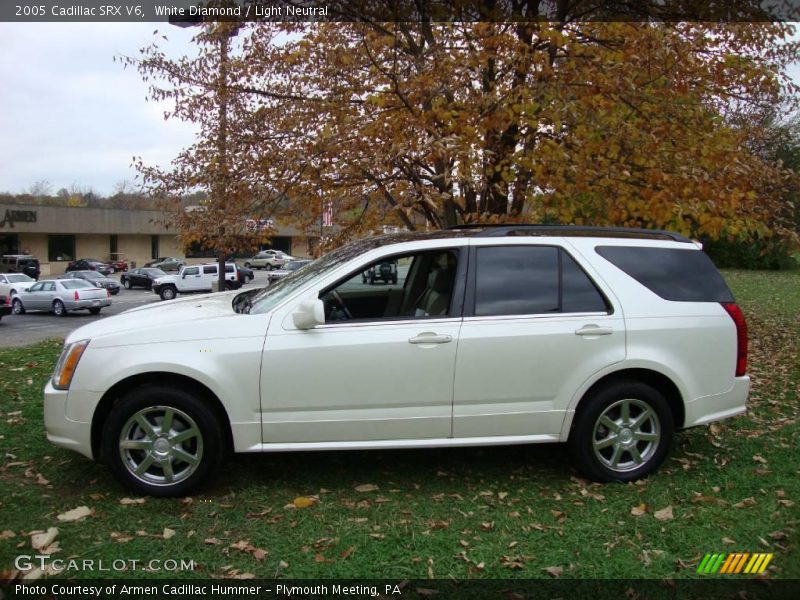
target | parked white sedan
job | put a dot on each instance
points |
(60, 296)
(16, 282)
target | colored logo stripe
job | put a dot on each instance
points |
(736, 562)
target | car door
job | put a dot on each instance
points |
(43, 297)
(380, 368)
(30, 299)
(191, 279)
(536, 327)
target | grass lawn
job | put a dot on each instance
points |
(495, 513)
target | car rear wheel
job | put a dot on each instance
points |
(247, 265)
(59, 309)
(16, 307)
(95, 310)
(167, 293)
(623, 433)
(162, 441)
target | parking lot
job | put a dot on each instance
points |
(32, 327)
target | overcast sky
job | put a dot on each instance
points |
(72, 116)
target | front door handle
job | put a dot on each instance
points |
(594, 330)
(430, 338)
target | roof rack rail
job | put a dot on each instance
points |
(502, 229)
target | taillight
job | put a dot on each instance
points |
(76, 295)
(741, 336)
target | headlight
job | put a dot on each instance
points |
(67, 363)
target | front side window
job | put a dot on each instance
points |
(412, 286)
(191, 271)
(525, 280)
(36, 287)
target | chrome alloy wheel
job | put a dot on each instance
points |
(626, 435)
(161, 445)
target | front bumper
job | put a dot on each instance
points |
(719, 406)
(62, 431)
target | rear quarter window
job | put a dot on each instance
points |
(672, 273)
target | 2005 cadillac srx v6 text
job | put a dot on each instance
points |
(607, 339)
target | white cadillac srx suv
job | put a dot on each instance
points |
(607, 339)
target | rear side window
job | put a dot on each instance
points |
(672, 273)
(523, 280)
(209, 270)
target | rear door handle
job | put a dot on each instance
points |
(430, 338)
(594, 330)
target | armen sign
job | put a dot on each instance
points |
(21, 216)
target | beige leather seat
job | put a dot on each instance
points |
(436, 299)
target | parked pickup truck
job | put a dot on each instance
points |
(193, 279)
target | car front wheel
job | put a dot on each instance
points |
(623, 433)
(167, 293)
(162, 441)
(127, 284)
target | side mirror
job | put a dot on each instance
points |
(309, 314)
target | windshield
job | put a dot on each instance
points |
(17, 278)
(154, 272)
(72, 284)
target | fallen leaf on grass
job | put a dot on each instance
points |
(638, 511)
(554, 571)
(76, 514)
(128, 501)
(746, 502)
(120, 538)
(212, 541)
(303, 502)
(39, 541)
(247, 547)
(168, 533)
(7, 534)
(665, 514)
(727, 540)
(760, 459)
(367, 487)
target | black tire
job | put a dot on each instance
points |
(168, 293)
(127, 284)
(626, 443)
(59, 309)
(95, 310)
(247, 265)
(206, 445)
(16, 307)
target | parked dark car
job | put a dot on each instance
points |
(385, 271)
(166, 263)
(140, 277)
(95, 278)
(20, 263)
(90, 264)
(5, 306)
(244, 274)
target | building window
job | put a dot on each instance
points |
(60, 247)
(9, 244)
(112, 245)
(154, 251)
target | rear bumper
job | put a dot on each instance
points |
(83, 304)
(5, 309)
(719, 406)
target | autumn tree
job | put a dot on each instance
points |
(577, 119)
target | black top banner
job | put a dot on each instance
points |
(189, 12)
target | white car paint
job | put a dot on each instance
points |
(494, 380)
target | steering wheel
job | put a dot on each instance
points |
(340, 303)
